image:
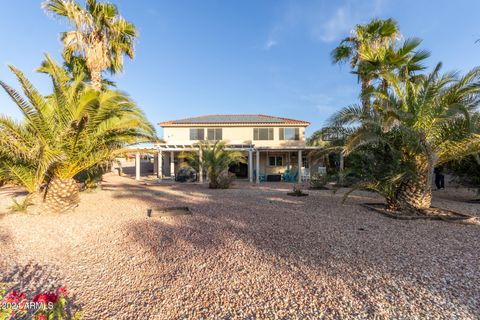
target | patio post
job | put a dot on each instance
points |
(160, 165)
(250, 165)
(299, 174)
(341, 167)
(257, 167)
(172, 164)
(137, 166)
(200, 169)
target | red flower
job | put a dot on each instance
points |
(52, 297)
(62, 291)
(41, 298)
(40, 316)
(14, 297)
(45, 298)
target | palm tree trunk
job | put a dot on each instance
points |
(62, 195)
(213, 181)
(96, 78)
(384, 85)
(365, 98)
(415, 194)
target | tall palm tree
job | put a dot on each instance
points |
(424, 123)
(375, 36)
(65, 133)
(404, 58)
(215, 161)
(101, 37)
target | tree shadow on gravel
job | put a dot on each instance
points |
(348, 244)
(34, 278)
(154, 195)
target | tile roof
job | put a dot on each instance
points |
(235, 119)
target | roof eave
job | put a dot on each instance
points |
(169, 124)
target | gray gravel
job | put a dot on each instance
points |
(246, 253)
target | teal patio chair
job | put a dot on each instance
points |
(261, 177)
(294, 178)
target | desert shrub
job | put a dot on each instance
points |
(318, 181)
(91, 177)
(466, 172)
(20, 205)
(186, 174)
(222, 181)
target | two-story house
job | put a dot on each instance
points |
(271, 144)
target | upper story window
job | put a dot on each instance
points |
(214, 134)
(289, 134)
(262, 133)
(197, 134)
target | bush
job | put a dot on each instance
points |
(222, 181)
(318, 181)
(187, 174)
(466, 172)
(21, 205)
(92, 177)
(43, 306)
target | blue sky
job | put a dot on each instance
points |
(270, 57)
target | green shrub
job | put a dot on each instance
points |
(20, 205)
(318, 181)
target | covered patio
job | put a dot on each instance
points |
(289, 163)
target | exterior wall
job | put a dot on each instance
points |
(290, 160)
(234, 135)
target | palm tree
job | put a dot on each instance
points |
(375, 36)
(423, 123)
(215, 161)
(404, 59)
(65, 133)
(100, 39)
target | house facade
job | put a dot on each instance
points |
(274, 146)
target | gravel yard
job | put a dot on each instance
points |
(250, 252)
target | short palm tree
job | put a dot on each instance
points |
(424, 123)
(373, 37)
(215, 161)
(65, 133)
(101, 37)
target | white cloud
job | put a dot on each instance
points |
(334, 27)
(322, 21)
(270, 43)
(322, 102)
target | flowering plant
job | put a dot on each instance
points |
(43, 306)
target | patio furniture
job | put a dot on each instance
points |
(294, 177)
(274, 177)
(261, 177)
(286, 175)
(305, 174)
(322, 171)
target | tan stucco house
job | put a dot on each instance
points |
(271, 144)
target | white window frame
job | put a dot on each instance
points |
(198, 130)
(270, 134)
(296, 133)
(215, 133)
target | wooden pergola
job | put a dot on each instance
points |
(164, 148)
